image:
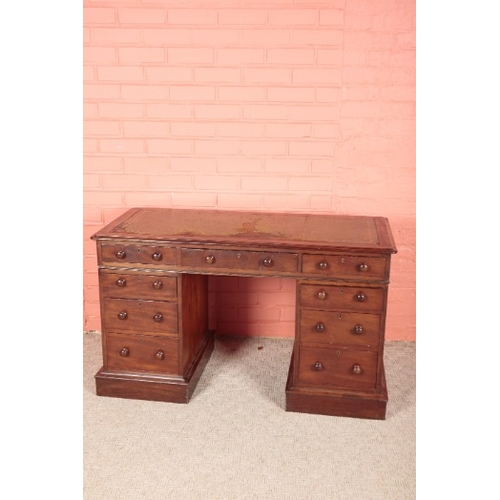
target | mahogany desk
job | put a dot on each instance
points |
(153, 272)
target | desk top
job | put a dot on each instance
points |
(255, 229)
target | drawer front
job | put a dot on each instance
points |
(136, 285)
(330, 327)
(140, 316)
(345, 298)
(347, 368)
(141, 353)
(262, 262)
(133, 253)
(342, 266)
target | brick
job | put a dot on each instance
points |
(215, 37)
(99, 54)
(290, 56)
(146, 129)
(139, 55)
(239, 201)
(217, 111)
(190, 199)
(272, 183)
(101, 128)
(89, 110)
(115, 36)
(98, 15)
(288, 130)
(290, 94)
(190, 55)
(221, 75)
(265, 37)
(90, 145)
(193, 164)
(241, 94)
(241, 129)
(168, 36)
(266, 112)
(287, 166)
(217, 147)
(327, 131)
(120, 73)
(192, 93)
(145, 165)
(101, 91)
(321, 37)
(331, 17)
(314, 114)
(145, 92)
(328, 94)
(89, 73)
(330, 56)
(331, 76)
(240, 165)
(147, 198)
(242, 16)
(263, 148)
(93, 198)
(267, 75)
(192, 17)
(121, 146)
(216, 182)
(304, 183)
(173, 111)
(120, 110)
(312, 148)
(170, 181)
(192, 129)
(91, 181)
(293, 17)
(142, 15)
(239, 57)
(124, 181)
(320, 202)
(169, 146)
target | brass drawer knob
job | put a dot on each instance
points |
(120, 254)
(210, 259)
(323, 265)
(358, 329)
(320, 327)
(122, 315)
(157, 285)
(121, 282)
(160, 355)
(363, 267)
(268, 262)
(158, 317)
(318, 366)
(157, 256)
(124, 352)
(322, 295)
(360, 297)
(356, 369)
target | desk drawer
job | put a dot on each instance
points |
(347, 298)
(136, 285)
(264, 262)
(141, 353)
(342, 266)
(133, 253)
(140, 316)
(348, 368)
(330, 327)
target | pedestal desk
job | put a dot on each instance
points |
(154, 265)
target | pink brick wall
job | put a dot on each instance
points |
(252, 104)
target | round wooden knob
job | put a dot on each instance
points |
(267, 262)
(160, 355)
(124, 352)
(358, 329)
(157, 256)
(363, 268)
(360, 297)
(121, 282)
(210, 259)
(323, 265)
(157, 285)
(318, 366)
(356, 369)
(122, 315)
(320, 327)
(120, 254)
(322, 295)
(158, 317)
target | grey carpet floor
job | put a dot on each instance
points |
(234, 440)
